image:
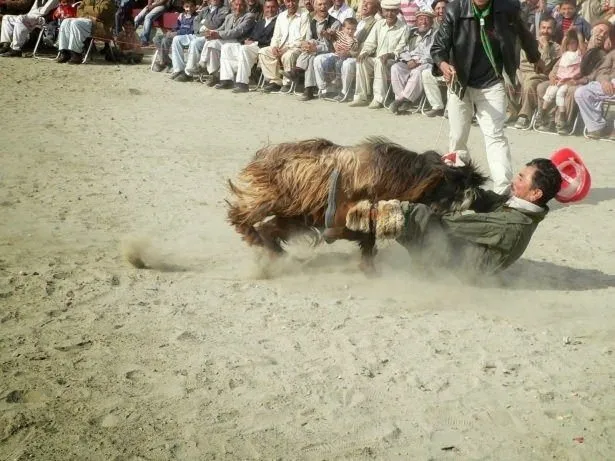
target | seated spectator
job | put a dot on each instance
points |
(384, 43)
(237, 59)
(16, 30)
(328, 66)
(129, 44)
(50, 30)
(594, 10)
(185, 24)
(589, 98)
(341, 11)
(439, 9)
(345, 62)
(406, 74)
(152, 11)
(323, 27)
(570, 18)
(568, 70)
(589, 64)
(291, 29)
(95, 18)
(236, 28)
(208, 19)
(529, 78)
(256, 8)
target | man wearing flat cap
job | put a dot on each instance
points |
(406, 74)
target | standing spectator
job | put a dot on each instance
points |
(152, 11)
(408, 9)
(239, 58)
(16, 30)
(123, 10)
(569, 18)
(384, 44)
(185, 26)
(589, 98)
(474, 45)
(529, 79)
(255, 7)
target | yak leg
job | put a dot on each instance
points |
(367, 244)
(277, 230)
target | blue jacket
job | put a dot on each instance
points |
(578, 23)
(184, 24)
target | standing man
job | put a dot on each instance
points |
(473, 46)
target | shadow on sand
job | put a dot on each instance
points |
(596, 195)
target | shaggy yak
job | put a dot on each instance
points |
(298, 187)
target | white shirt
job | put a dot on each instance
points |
(523, 205)
(291, 31)
(343, 13)
(383, 39)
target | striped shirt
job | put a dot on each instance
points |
(344, 44)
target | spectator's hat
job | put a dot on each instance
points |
(429, 13)
(390, 4)
(576, 180)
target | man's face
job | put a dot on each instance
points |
(291, 6)
(251, 3)
(338, 4)
(567, 10)
(390, 16)
(270, 9)
(321, 6)
(349, 29)
(600, 33)
(369, 8)
(481, 3)
(523, 185)
(546, 29)
(440, 9)
(423, 24)
(238, 7)
(215, 2)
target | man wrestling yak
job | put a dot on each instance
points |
(432, 205)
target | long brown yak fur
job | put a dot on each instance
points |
(291, 180)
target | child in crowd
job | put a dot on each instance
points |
(185, 24)
(345, 46)
(129, 44)
(569, 69)
(569, 18)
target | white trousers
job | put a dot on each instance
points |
(432, 89)
(407, 83)
(558, 93)
(73, 32)
(16, 29)
(349, 72)
(372, 78)
(319, 70)
(210, 54)
(491, 114)
(180, 42)
(237, 60)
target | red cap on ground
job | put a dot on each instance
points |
(576, 180)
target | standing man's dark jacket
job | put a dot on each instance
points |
(458, 36)
(262, 34)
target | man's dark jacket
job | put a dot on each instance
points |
(456, 39)
(261, 34)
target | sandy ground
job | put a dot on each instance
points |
(102, 361)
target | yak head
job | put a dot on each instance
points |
(458, 188)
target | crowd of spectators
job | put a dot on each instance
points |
(367, 52)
